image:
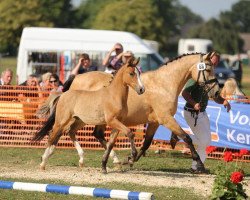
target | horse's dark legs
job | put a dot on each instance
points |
(116, 124)
(108, 149)
(131, 136)
(176, 129)
(150, 132)
(99, 135)
(173, 140)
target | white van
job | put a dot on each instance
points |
(193, 45)
(57, 49)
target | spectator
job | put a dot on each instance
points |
(6, 77)
(113, 62)
(126, 55)
(5, 86)
(83, 65)
(32, 88)
(31, 81)
(45, 84)
(55, 83)
(232, 92)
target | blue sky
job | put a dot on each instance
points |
(208, 8)
(205, 8)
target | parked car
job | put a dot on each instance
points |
(237, 69)
(223, 72)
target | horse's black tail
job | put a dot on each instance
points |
(68, 83)
(47, 127)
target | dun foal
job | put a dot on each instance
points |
(108, 105)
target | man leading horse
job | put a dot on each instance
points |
(196, 117)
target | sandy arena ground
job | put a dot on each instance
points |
(201, 184)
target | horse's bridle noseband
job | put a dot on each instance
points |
(202, 67)
(205, 83)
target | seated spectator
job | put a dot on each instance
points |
(44, 84)
(113, 62)
(232, 92)
(6, 77)
(32, 88)
(55, 83)
(126, 55)
(5, 86)
(83, 65)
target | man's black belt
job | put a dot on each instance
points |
(194, 113)
(191, 109)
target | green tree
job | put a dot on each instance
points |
(159, 20)
(15, 15)
(146, 18)
(223, 34)
(88, 10)
(239, 15)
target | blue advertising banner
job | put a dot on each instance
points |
(228, 129)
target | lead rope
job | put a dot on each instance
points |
(196, 113)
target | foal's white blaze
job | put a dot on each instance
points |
(138, 74)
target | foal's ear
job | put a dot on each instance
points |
(209, 55)
(136, 61)
(131, 61)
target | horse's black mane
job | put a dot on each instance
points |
(183, 55)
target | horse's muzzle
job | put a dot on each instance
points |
(141, 90)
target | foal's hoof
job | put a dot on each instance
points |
(129, 161)
(104, 171)
(42, 168)
(118, 166)
(81, 165)
(173, 140)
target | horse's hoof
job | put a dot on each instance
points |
(117, 162)
(118, 167)
(104, 171)
(131, 165)
(42, 168)
(81, 165)
(200, 171)
(173, 140)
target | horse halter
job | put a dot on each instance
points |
(202, 67)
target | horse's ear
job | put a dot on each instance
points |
(209, 55)
(131, 61)
(136, 61)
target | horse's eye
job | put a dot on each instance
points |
(131, 73)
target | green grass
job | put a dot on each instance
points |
(169, 161)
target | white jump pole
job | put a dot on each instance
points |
(63, 189)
